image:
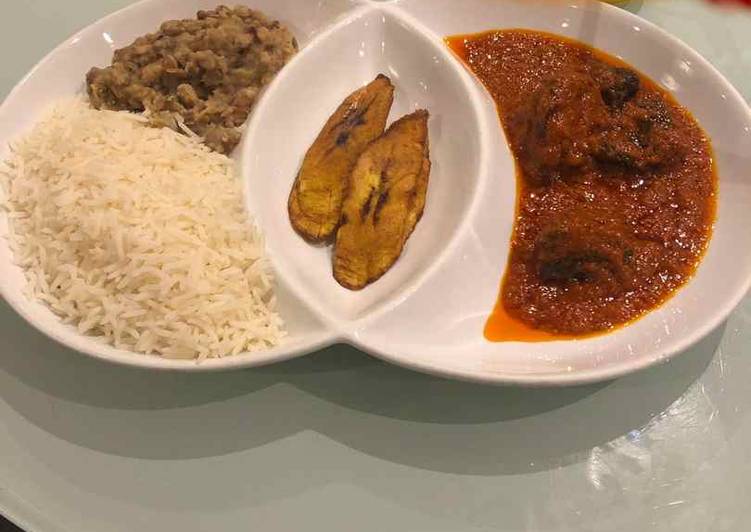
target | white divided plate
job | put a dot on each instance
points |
(428, 312)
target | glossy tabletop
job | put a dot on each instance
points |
(339, 441)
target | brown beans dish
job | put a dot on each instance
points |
(204, 74)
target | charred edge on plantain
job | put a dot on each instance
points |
(356, 119)
(380, 204)
(365, 209)
(342, 139)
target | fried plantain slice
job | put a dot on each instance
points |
(315, 203)
(385, 200)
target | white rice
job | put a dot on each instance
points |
(138, 235)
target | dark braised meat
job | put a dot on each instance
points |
(594, 122)
(617, 85)
(554, 125)
(203, 73)
(571, 255)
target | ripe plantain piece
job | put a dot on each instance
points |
(386, 199)
(315, 203)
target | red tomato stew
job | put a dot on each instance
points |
(616, 186)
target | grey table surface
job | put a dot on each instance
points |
(339, 441)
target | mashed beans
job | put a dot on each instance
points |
(201, 75)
